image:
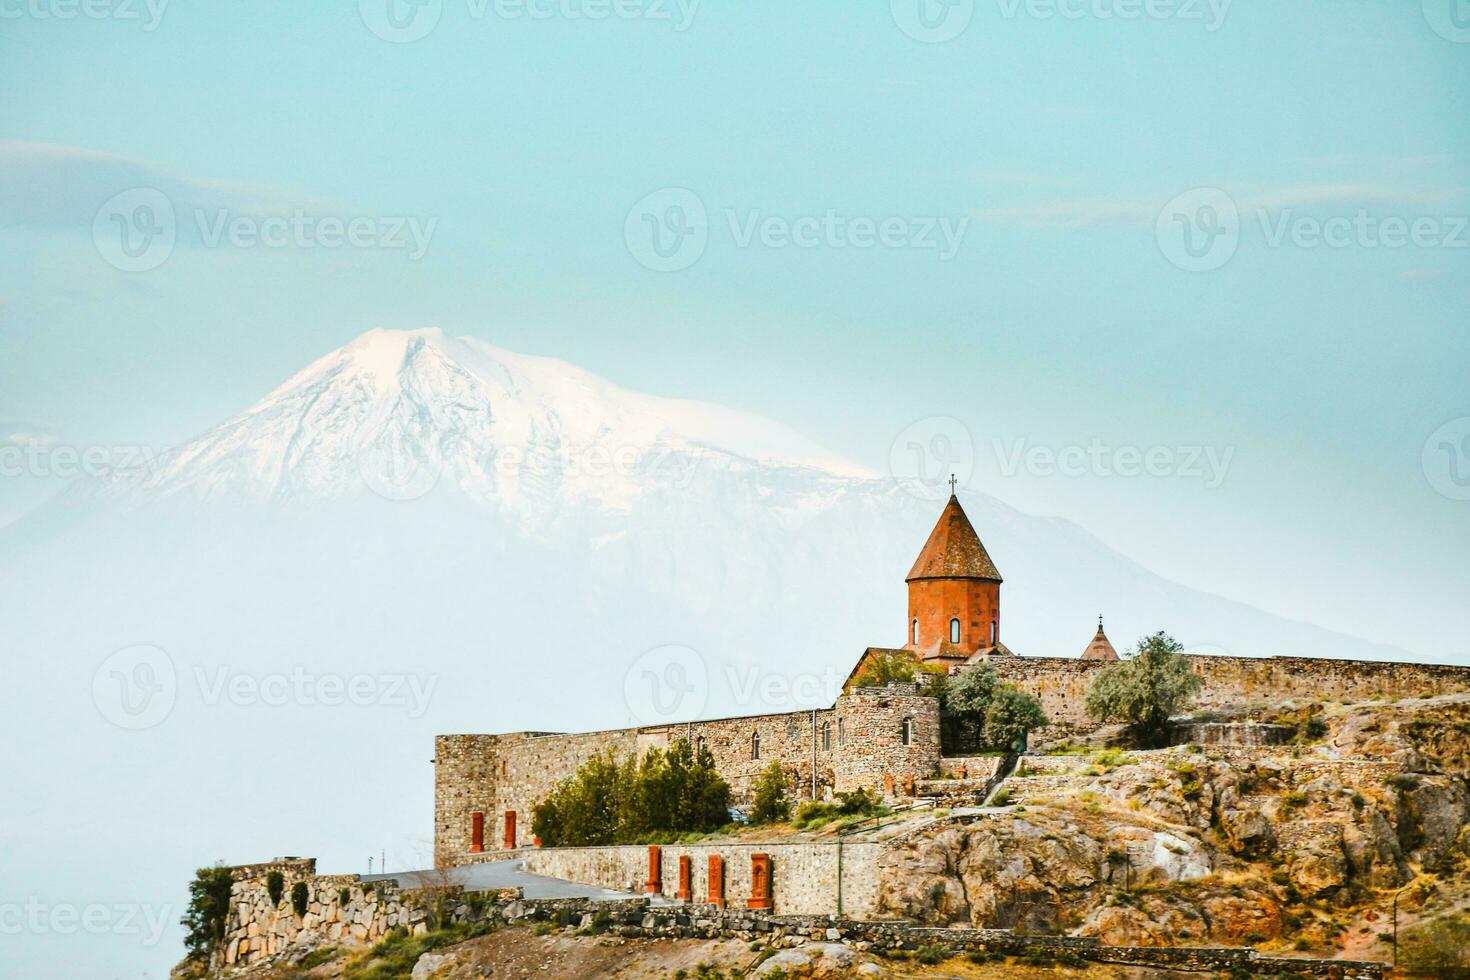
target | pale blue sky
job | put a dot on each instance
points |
(1058, 320)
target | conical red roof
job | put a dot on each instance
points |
(954, 550)
(1100, 648)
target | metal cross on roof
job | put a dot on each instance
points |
(952, 482)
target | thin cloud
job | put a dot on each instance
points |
(1069, 214)
(52, 185)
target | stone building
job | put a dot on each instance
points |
(884, 739)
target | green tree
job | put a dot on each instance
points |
(977, 708)
(882, 669)
(1146, 690)
(771, 804)
(583, 809)
(967, 694)
(1010, 717)
(625, 801)
(209, 908)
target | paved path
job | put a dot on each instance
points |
(499, 874)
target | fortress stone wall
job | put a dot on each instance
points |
(1235, 682)
(857, 743)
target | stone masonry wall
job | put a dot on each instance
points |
(874, 750)
(804, 877)
(857, 743)
(340, 910)
(1061, 684)
(637, 918)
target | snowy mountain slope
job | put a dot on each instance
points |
(395, 412)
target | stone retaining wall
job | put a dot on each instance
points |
(637, 918)
(804, 877)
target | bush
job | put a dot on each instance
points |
(1147, 690)
(813, 814)
(209, 907)
(395, 956)
(300, 897)
(771, 804)
(611, 801)
(858, 802)
(933, 954)
(275, 886)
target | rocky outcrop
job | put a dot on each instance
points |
(1225, 844)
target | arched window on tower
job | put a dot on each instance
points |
(755, 745)
(826, 736)
(994, 632)
(906, 731)
(841, 731)
(954, 631)
(914, 631)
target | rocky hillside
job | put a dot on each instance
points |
(1294, 847)
(562, 956)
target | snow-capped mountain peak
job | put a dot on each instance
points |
(400, 413)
